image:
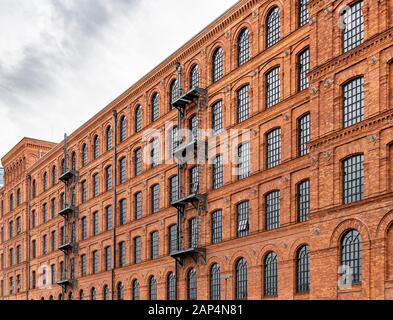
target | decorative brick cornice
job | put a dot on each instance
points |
(348, 58)
(367, 125)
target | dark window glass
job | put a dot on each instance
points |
(215, 282)
(108, 138)
(153, 288)
(154, 240)
(194, 128)
(218, 64)
(137, 250)
(174, 92)
(84, 155)
(353, 104)
(138, 118)
(155, 107)
(123, 212)
(304, 135)
(303, 69)
(173, 245)
(83, 265)
(123, 129)
(303, 200)
(155, 198)
(93, 294)
(192, 285)
(84, 191)
(193, 232)
(217, 117)
(353, 179)
(84, 228)
(123, 170)
(242, 219)
(351, 256)
(122, 254)
(96, 147)
(216, 227)
(108, 218)
(108, 178)
(95, 262)
(353, 23)
(243, 104)
(120, 291)
(174, 191)
(138, 162)
(135, 290)
(273, 154)
(108, 258)
(243, 47)
(273, 27)
(154, 152)
(138, 205)
(303, 270)
(194, 77)
(273, 210)
(171, 287)
(95, 185)
(106, 292)
(273, 88)
(243, 154)
(218, 172)
(271, 275)
(241, 280)
(96, 225)
(45, 182)
(194, 180)
(303, 13)
(54, 176)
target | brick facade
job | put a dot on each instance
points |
(329, 218)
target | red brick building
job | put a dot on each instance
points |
(305, 212)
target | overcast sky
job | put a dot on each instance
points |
(62, 61)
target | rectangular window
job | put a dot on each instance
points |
(18, 254)
(123, 212)
(53, 241)
(217, 117)
(303, 69)
(95, 185)
(11, 256)
(353, 96)
(108, 178)
(218, 172)
(123, 170)
(96, 224)
(84, 191)
(303, 205)
(244, 161)
(84, 228)
(44, 245)
(353, 180)
(137, 250)
(303, 13)
(272, 210)
(155, 198)
(122, 254)
(174, 142)
(11, 229)
(243, 104)
(108, 258)
(95, 262)
(273, 148)
(353, 22)
(138, 162)
(108, 218)
(62, 236)
(194, 233)
(174, 190)
(53, 274)
(154, 245)
(242, 219)
(194, 180)
(173, 245)
(154, 148)
(53, 208)
(34, 249)
(273, 90)
(217, 227)
(138, 205)
(18, 226)
(83, 265)
(304, 135)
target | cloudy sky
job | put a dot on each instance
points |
(61, 61)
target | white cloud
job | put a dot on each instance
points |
(72, 57)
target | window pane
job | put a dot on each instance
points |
(353, 180)
(241, 280)
(271, 275)
(303, 13)
(303, 270)
(273, 210)
(244, 47)
(353, 20)
(243, 104)
(304, 135)
(273, 27)
(273, 87)
(303, 201)
(217, 117)
(218, 65)
(242, 219)
(217, 227)
(353, 95)
(303, 69)
(351, 255)
(274, 148)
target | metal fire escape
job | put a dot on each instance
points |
(188, 154)
(68, 211)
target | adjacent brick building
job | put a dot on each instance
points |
(306, 210)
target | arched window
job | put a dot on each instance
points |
(93, 294)
(138, 162)
(138, 118)
(123, 129)
(73, 161)
(218, 64)
(303, 270)
(215, 282)
(81, 295)
(34, 189)
(155, 107)
(108, 143)
(11, 202)
(96, 147)
(192, 285)
(351, 257)
(120, 291)
(353, 26)
(273, 27)
(70, 296)
(152, 288)
(18, 198)
(243, 47)
(194, 77)
(271, 275)
(241, 280)
(84, 155)
(54, 176)
(135, 290)
(171, 286)
(174, 91)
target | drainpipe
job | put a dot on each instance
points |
(114, 202)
